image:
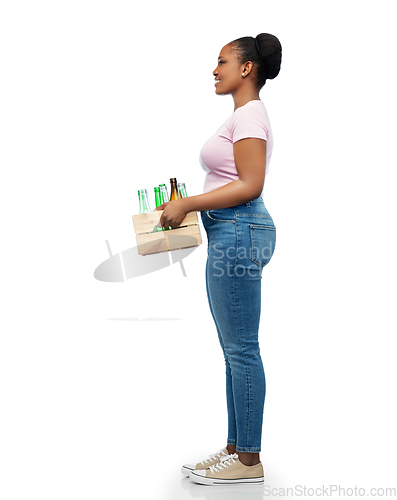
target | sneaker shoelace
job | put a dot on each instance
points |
(225, 462)
(212, 458)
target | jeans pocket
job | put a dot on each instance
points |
(222, 215)
(263, 242)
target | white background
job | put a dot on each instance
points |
(107, 388)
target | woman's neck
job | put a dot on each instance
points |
(245, 95)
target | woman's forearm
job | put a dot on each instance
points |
(231, 194)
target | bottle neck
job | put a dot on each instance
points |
(174, 191)
(143, 203)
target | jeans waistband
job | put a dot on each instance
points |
(257, 200)
(251, 209)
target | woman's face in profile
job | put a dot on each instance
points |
(228, 73)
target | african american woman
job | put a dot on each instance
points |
(241, 241)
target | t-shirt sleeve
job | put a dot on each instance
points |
(248, 122)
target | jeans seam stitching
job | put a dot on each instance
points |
(247, 429)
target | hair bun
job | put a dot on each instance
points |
(270, 52)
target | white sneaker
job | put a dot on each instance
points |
(211, 460)
(229, 470)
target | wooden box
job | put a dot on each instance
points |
(150, 241)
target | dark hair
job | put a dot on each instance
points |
(267, 63)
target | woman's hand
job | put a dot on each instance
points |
(173, 213)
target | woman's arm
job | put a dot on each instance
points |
(250, 160)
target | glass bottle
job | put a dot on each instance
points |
(158, 202)
(157, 196)
(174, 190)
(163, 193)
(163, 199)
(182, 189)
(143, 201)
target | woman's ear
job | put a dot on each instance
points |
(246, 68)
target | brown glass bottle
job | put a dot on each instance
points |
(175, 195)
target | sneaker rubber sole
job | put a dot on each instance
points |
(211, 481)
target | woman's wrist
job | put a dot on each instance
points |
(187, 205)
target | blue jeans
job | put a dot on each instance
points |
(241, 242)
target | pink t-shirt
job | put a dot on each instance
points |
(216, 156)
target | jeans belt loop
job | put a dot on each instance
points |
(248, 204)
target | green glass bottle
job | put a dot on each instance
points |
(182, 189)
(163, 193)
(164, 199)
(158, 202)
(157, 196)
(144, 206)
